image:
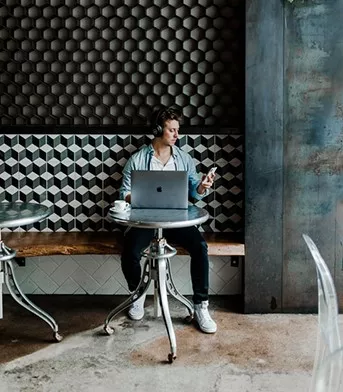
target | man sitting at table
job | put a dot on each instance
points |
(163, 154)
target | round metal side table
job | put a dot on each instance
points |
(157, 263)
(18, 214)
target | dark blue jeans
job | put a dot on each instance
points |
(135, 240)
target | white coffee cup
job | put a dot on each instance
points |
(121, 205)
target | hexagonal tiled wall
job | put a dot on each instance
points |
(78, 176)
(94, 63)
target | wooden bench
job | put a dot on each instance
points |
(36, 244)
(33, 244)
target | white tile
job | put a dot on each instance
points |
(227, 272)
(69, 286)
(22, 273)
(28, 286)
(48, 265)
(43, 281)
(101, 274)
(178, 262)
(87, 263)
(111, 286)
(182, 276)
(67, 268)
(80, 291)
(216, 283)
(38, 291)
(115, 258)
(186, 288)
(32, 261)
(217, 262)
(59, 259)
(101, 259)
(109, 268)
(85, 281)
(122, 291)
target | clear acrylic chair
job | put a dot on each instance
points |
(328, 377)
(328, 338)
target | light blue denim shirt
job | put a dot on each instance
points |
(141, 160)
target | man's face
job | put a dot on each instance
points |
(170, 132)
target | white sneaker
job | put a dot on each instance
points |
(136, 311)
(203, 318)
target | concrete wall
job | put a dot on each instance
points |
(294, 164)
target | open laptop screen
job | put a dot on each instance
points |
(159, 189)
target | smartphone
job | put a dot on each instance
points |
(211, 171)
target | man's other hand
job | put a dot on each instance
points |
(206, 183)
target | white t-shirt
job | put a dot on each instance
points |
(156, 164)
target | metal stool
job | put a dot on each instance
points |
(7, 276)
(156, 267)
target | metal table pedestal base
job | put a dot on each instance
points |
(7, 276)
(157, 268)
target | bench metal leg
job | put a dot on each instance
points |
(22, 300)
(141, 289)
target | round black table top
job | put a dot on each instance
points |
(20, 214)
(160, 218)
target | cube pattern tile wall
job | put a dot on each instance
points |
(78, 176)
(102, 275)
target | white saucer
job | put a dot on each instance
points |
(113, 210)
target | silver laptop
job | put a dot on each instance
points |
(159, 189)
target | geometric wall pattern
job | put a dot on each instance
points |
(78, 176)
(94, 64)
(102, 275)
(97, 63)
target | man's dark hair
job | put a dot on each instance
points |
(163, 114)
(169, 114)
(160, 116)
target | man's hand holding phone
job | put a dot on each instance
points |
(210, 175)
(207, 180)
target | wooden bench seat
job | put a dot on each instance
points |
(30, 244)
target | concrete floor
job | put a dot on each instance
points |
(249, 353)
